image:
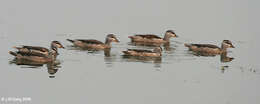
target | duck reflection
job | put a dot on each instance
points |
(167, 47)
(52, 67)
(223, 56)
(224, 68)
(107, 52)
(109, 58)
(156, 60)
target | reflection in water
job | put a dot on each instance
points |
(156, 60)
(225, 58)
(167, 47)
(203, 54)
(52, 67)
(109, 59)
(224, 68)
(107, 52)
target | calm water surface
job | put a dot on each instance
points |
(95, 78)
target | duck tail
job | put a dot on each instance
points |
(187, 45)
(130, 37)
(16, 47)
(70, 40)
(125, 52)
(12, 53)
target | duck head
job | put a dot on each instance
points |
(56, 44)
(111, 38)
(227, 44)
(171, 33)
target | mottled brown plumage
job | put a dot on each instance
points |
(147, 53)
(150, 38)
(208, 49)
(92, 44)
(90, 41)
(36, 53)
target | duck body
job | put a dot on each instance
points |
(150, 38)
(209, 49)
(36, 53)
(93, 44)
(144, 53)
(89, 44)
(31, 57)
(204, 48)
(33, 50)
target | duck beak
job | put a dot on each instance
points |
(232, 46)
(61, 46)
(116, 40)
(176, 36)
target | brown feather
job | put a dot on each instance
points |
(36, 48)
(205, 45)
(90, 41)
(149, 36)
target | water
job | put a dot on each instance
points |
(91, 77)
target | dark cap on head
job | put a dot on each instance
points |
(59, 45)
(170, 31)
(113, 36)
(228, 42)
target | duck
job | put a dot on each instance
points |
(209, 49)
(157, 52)
(37, 53)
(153, 39)
(93, 44)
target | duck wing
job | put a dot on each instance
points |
(90, 41)
(36, 48)
(205, 45)
(32, 54)
(32, 50)
(149, 36)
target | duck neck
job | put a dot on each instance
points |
(108, 42)
(223, 48)
(53, 52)
(166, 38)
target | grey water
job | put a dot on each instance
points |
(179, 77)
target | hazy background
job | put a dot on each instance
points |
(91, 78)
